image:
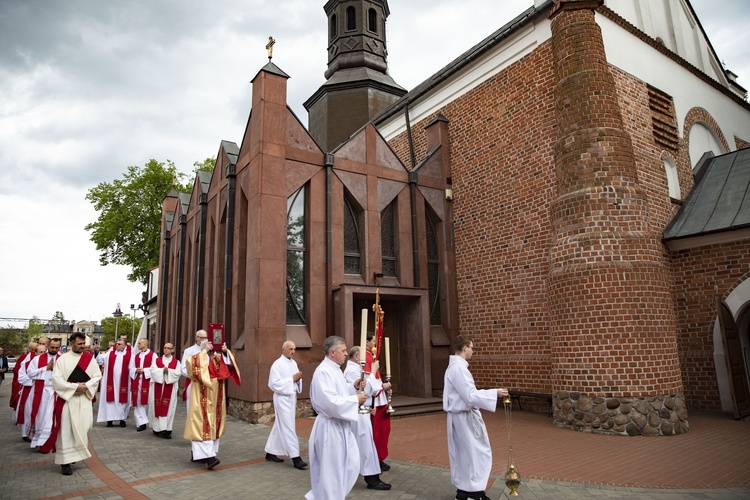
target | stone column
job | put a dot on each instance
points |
(615, 366)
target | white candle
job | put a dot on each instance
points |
(387, 358)
(363, 342)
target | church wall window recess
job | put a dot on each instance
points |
(388, 241)
(372, 20)
(351, 19)
(334, 27)
(296, 258)
(352, 239)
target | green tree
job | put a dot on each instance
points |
(58, 318)
(123, 326)
(33, 330)
(11, 341)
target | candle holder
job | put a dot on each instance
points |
(363, 410)
(390, 407)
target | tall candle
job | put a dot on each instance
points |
(363, 342)
(387, 358)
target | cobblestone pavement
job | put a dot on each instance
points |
(130, 464)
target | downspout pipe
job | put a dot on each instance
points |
(413, 177)
(164, 286)
(181, 272)
(329, 158)
(229, 253)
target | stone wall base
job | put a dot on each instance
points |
(637, 416)
(263, 412)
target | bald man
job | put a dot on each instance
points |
(194, 349)
(162, 402)
(285, 380)
(140, 383)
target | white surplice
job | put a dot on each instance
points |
(114, 410)
(140, 412)
(77, 414)
(334, 454)
(25, 381)
(40, 431)
(369, 465)
(468, 444)
(283, 438)
(171, 378)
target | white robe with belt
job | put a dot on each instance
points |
(468, 444)
(138, 359)
(43, 425)
(193, 349)
(77, 414)
(157, 375)
(334, 455)
(369, 465)
(283, 438)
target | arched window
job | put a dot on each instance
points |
(388, 240)
(372, 20)
(673, 180)
(703, 139)
(352, 254)
(351, 19)
(334, 27)
(296, 223)
(433, 268)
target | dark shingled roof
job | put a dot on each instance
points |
(719, 200)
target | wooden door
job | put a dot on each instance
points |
(738, 386)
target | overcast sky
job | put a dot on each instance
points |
(89, 87)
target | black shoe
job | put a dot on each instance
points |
(298, 463)
(139, 428)
(378, 484)
(478, 495)
(122, 423)
(462, 495)
(384, 466)
(66, 470)
(212, 462)
(273, 458)
(109, 424)
(166, 434)
(156, 433)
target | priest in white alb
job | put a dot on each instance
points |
(75, 379)
(369, 465)
(114, 401)
(468, 443)
(140, 382)
(285, 380)
(334, 454)
(162, 399)
(43, 395)
(200, 336)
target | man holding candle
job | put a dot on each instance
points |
(468, 444)
(381, 421)
(369, 466)
(334, 456)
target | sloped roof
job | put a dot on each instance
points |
(719, 200)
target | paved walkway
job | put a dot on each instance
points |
(710, 462)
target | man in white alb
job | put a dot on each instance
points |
(42, 394)
(140, 383)
(165, 373)
(285, 380)
(334, 455)
(468, 444)
(200, 336)
(114, 403)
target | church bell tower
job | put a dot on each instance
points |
(357, 83)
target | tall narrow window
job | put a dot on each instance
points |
(433, 268)
(388, 241)
(334, 27)
(372, 20)
(352, 255)
(295, 258)
(351, 19)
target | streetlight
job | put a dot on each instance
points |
(132, 336)
(117, 314)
